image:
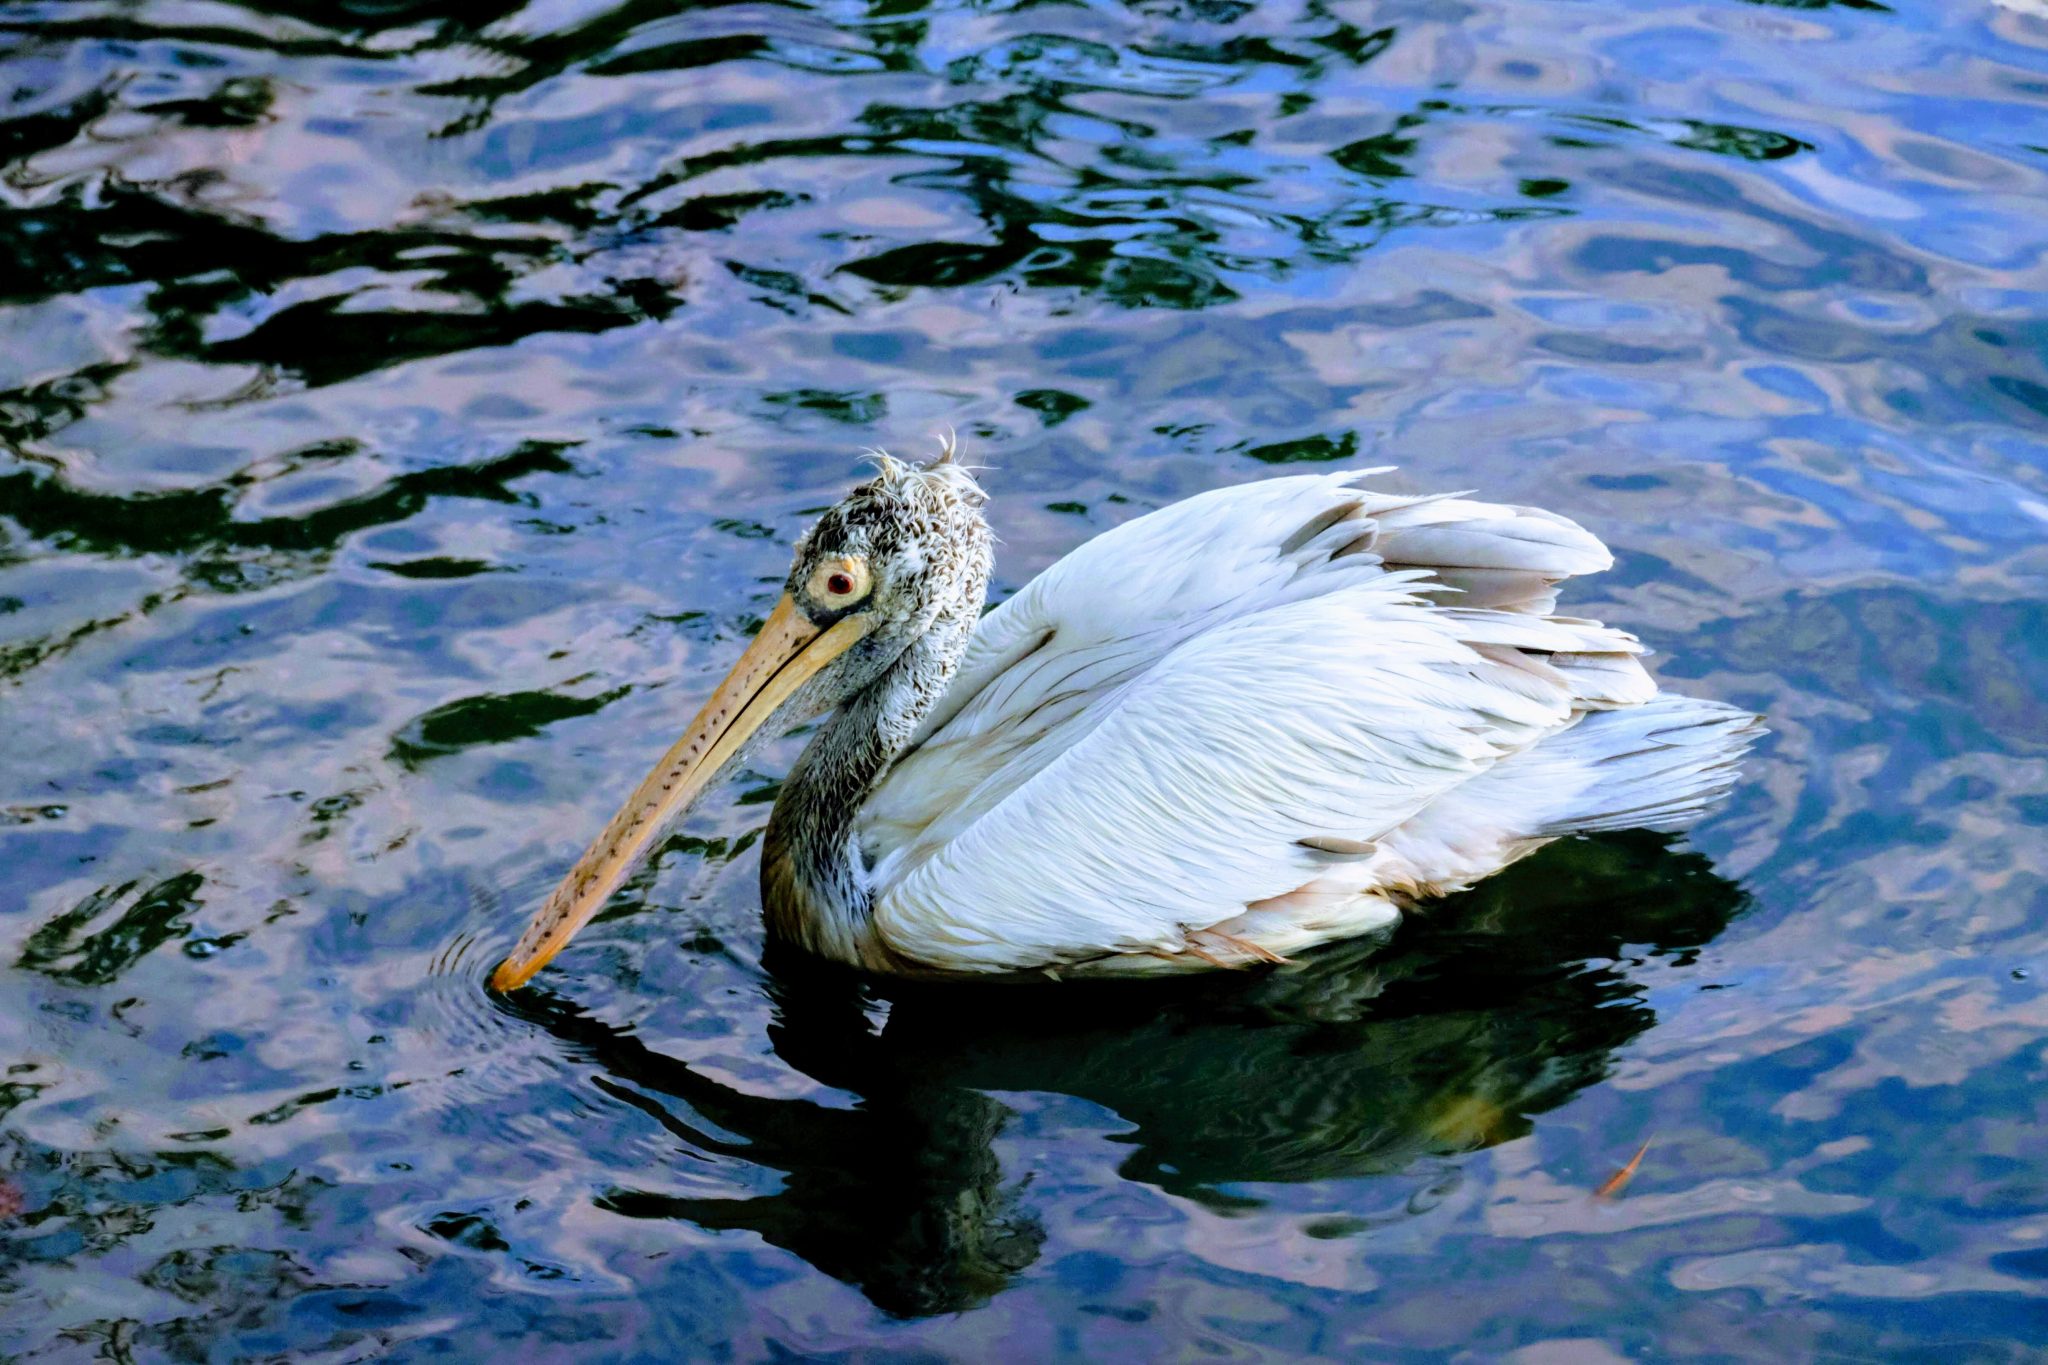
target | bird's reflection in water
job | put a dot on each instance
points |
(1482, 1012)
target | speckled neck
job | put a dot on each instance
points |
(814, 876)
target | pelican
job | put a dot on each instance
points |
(1258, 720)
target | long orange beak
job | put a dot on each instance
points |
(788, 651)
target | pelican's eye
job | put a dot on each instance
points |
(839, 582)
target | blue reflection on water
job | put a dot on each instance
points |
(406, 408)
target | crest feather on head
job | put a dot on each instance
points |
(946, 472)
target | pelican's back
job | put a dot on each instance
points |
(1262, 718)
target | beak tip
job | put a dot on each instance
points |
(508, 978)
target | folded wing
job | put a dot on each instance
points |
(1209, 706)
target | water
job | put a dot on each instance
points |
(407, 408)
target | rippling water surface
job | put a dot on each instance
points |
(406, 407)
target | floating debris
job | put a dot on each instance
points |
(1612, 1187)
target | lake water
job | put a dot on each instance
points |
(406, 408)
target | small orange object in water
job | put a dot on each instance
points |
(12, 1201)
(1612, 1187)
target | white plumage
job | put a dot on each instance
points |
(1251, 722)
(1271, 691)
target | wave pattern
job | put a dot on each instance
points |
(406, 407)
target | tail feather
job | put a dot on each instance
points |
(1659, 765)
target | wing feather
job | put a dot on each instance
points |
(1189, 713)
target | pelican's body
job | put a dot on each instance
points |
(1254, 721)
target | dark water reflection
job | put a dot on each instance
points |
(405, 408)
(1368, 1061)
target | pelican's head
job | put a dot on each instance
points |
(878, 569)
(869, 580)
